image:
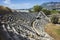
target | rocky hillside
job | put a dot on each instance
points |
(24, 26)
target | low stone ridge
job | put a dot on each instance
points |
(24, 26)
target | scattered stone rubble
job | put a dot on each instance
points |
(24, 26)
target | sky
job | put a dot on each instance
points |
(23, 4)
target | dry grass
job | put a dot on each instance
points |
(53, 30)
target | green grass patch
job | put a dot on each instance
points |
(57, 31)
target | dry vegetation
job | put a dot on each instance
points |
(53, 30)
(5, 10)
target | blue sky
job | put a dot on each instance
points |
(23, 4)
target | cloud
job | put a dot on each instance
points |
(20, 6)
(17, 5)
(7, 1)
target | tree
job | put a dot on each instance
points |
(37, 8)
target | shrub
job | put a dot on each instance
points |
(54, 19)
(47, 12)
(54, 11)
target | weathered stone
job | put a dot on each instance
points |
(19, 27)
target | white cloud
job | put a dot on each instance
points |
(17, 5)
(7, 1)
(20, 6)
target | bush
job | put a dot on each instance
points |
(54, 19)
(47, 12)
(54, 11)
